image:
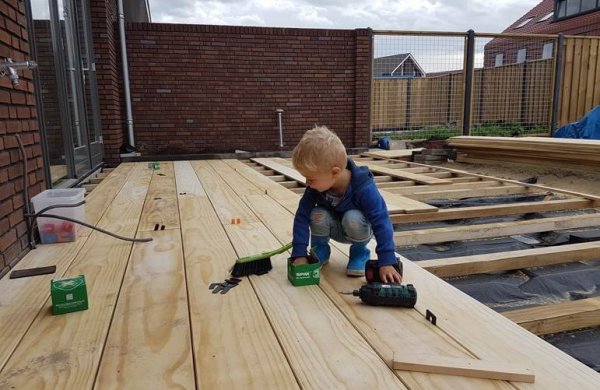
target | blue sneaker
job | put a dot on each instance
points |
(359, 255)
(320, 248)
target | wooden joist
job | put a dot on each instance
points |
(560, 317)
(399, 174)
(500, 229)
(505, 261)
(493, 210)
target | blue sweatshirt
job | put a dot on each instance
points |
(361, 194)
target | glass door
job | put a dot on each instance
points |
(67, 91)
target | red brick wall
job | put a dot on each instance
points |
(17, 116)
(108, 72)
(202, 89)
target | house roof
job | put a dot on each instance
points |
(389, 64)
(587, 24)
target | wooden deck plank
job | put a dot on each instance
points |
(319, 332)
(161, 203)
(560, 317)
(22, 299)
(493, 210)
(234, 344)
(500, 229)
(64, 351)
(149, 341)
(496, 337)
(504, 261)
(98, 201)
(151, 325)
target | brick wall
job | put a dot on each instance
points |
(200, 89)
(17, 116)
(108, 72)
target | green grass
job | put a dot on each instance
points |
(444, 132)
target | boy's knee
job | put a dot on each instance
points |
(356, 226)
(319, 217)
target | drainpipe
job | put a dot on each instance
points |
(279, 112)
(131, 137)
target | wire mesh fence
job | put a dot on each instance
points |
(513, 84)
(417, 88)
(437, 85)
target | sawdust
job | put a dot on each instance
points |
(585, 181)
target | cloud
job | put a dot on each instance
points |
(432, 15)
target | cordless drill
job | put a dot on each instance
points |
(387, 294)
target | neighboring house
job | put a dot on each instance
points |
(570, 17)
(397, 66)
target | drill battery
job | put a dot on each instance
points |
(372, 271)
(387, 294)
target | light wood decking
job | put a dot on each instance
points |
(153, 323)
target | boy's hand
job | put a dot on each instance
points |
(388, 274)
(300, 260)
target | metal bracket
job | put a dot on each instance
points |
(429, 316)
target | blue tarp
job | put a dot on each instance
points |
(588, 127)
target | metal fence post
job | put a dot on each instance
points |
(469, 70)
(559, 52)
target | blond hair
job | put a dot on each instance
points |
(319, 150)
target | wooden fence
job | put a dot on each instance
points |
(580, 88)
(517, 93)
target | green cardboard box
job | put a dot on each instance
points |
(304, 274)
(68, 295)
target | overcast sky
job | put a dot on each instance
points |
(430, 15)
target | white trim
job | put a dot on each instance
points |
(414, 61)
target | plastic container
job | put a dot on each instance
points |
(54, 230)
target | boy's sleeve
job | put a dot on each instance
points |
(373, 206)
(302, 224)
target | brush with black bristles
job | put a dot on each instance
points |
(256, 265)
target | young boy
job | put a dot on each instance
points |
(341, 202)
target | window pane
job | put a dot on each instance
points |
(548, 50)
(573, 7)
(521, 56)
(499, 59)
(561, 9)
(587, 5)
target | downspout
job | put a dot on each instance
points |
(131, 137)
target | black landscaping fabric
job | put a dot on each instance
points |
(529, 287)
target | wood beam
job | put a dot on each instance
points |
(561, 317)
(493, 210)
(463, 367)
(488, 230)
(505, 261)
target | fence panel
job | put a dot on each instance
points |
(580, 88)
(419, 88)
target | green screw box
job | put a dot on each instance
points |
(68, 295)
(304, 274)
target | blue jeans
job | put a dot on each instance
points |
(353, 228)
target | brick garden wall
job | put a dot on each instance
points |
(202, 89)
(17, 116)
